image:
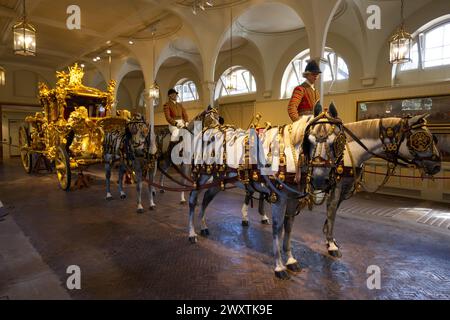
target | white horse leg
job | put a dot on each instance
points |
(193, 197)
(264, 217)
(152, 193)
(192, 204)
(278, 212)
(244, 209)
(207, 198)
(161, 182)
(292, 263)
(333, 203)
(183, 200)
(122, 170)
(138, 172)
(108, 176)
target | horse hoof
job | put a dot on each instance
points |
(204, 232)
(151, 208)
(335, 253)
(193, 240)
(283, 275)
(162, 191)
(265, 221)
(123, 196)
(109, 198)
(245, 223)
(182, 202)
(294, 267)
(140, 210)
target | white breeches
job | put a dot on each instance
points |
(175, 131)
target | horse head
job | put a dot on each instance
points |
(323, 146)
(419, 145)
(139, 133)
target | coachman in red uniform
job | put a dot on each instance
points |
(305, 96)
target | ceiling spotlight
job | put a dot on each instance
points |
(98, 58)
(82, 65)
(93, 59)
(108, 51)
(108, 42)
(130, 42)
(209, 3)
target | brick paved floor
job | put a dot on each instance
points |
(124, 255)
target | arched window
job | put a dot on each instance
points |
(187, 90)
(293, 74)
(431, 46)
(235, 80)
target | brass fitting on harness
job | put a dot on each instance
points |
(281, 176)
(255, 176)
(273, 197)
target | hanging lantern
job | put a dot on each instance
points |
(2, 76)
(400, 44)
(24, 36)
(231, 81)
(154, 88)
(400, 47)
(154, 91)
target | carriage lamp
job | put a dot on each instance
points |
(2, 76)
(400, 44)
(24, 36)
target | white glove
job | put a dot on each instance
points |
(186, 124)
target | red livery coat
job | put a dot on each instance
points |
(303, 100)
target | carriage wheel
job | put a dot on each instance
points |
(62, 164)
(25, 154)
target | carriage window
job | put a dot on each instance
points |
(187, 90)
(335, 69)
(235, 80)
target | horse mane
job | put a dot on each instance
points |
(298, 129)
(369, 129)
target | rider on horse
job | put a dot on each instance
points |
(305, 96)
(175, 114)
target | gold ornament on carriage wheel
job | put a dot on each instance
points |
(420, 141)
(339, 145)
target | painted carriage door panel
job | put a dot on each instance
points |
(14, 126)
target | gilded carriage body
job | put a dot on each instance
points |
(70, 129)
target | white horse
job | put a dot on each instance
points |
(114, 149)
(321, 132)
(140, 149)
(396, 140)
(209, 118)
